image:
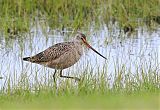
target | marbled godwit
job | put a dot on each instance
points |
(62, 55)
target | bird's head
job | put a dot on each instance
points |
(82, 38)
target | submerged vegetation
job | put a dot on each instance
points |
(20, 15)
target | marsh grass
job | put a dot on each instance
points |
(93, 91)
(19, 16)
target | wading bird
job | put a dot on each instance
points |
(62, 55)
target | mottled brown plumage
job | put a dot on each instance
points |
(62, 55)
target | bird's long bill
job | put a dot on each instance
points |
(85, 42)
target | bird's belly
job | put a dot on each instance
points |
(64, 61)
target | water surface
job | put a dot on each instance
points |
(124, 52)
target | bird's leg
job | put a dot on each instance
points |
(68, 76)
(54, 76)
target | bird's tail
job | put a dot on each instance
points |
(27, 58)
(31, 59)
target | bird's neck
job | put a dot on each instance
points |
(78, 42)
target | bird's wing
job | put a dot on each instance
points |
(52, 52)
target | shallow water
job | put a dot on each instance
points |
(124, 52)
